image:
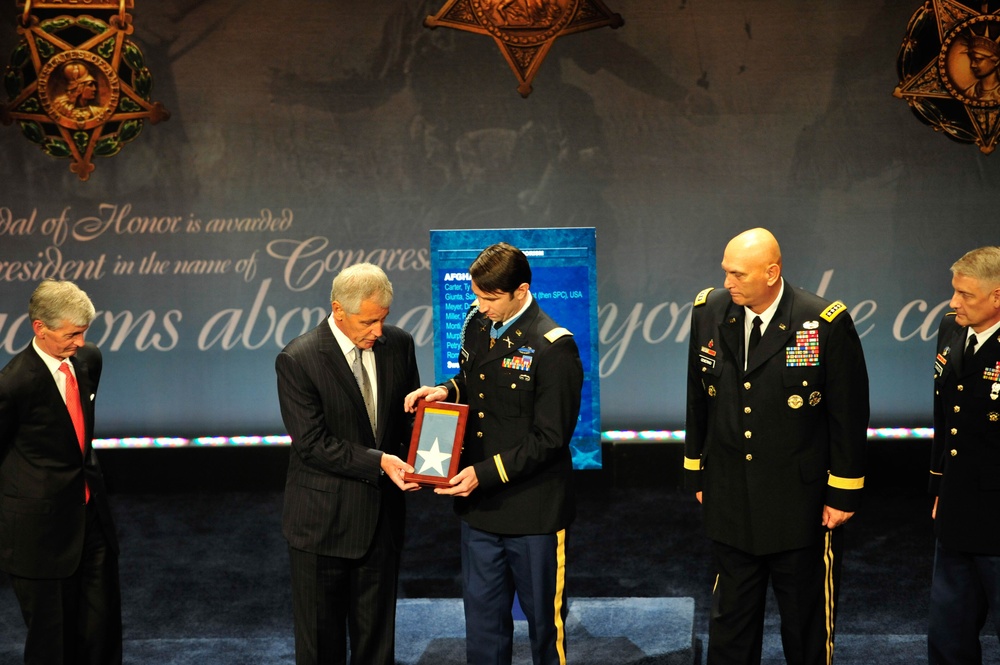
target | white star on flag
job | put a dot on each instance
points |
(433, 458)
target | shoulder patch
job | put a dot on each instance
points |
(702, 297)
(556, 333)
(833, 311)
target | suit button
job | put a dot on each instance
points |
(954, 452)
(482, 415)
(482, 377)
(482, 396)
(746, 409)
(747, 385)
(957, 408)
(748, 434)
(954, 431)
(960, 387)
(749, 457)
(479, 434)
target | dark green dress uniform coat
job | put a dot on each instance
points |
(965, 455)
(769, 447)
(524, 401)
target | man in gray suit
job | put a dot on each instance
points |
(341, 388)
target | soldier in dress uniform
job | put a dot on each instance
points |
(965, 463)
(522, 377)
(774, 450)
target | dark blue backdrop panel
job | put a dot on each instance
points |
(563, 280)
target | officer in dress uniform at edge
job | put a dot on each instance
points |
(965, 463)
(774, 451)
(521, 376)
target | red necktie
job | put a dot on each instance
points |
(75, 411)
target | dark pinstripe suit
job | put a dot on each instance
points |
(342, 520)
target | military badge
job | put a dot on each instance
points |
(815, 398)
(947, 66)
(526, 350)
(805, 353)
(795, 401)
(520, 363)
(76, 86)
(992, 373)
(994, 416)
(995, 391)
(810, 325)
(711, 391)
(524, 29)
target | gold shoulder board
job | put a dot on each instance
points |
(702, 297)
(556, 333)
(833, 311)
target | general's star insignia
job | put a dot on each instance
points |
(948, 66)
(524, 29)
(433, 458)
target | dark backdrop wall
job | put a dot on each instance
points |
(342, 130)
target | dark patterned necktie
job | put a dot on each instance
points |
(361, 375)
(754, 337)
(970, 351)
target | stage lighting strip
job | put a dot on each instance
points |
(620, 436)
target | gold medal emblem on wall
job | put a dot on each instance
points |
(949, 70)
(524, 29)
(75, 85)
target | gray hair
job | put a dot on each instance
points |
(57, 303)
(982, 264)
(360, 282)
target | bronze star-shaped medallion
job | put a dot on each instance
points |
(524, 29)
(948, 70)
(76, 85)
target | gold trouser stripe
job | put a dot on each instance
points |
(560, 588)
(692, 464)
(500, 469)
(830, 591)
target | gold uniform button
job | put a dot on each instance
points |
(805, 383)
(954, 452)
(749, 457)
(482, 415)
(704, 369)
(479, 434)
(954, 431)
(747, 385)
(747, 409)
(960, 387)
(748, 434)
(957, 408)
(513, 385)
(482, 377)
(482, 396)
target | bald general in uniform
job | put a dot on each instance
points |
(775, 451)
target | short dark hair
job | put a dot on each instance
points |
(500, 268)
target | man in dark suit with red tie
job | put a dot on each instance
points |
(341, 388)
(57, 537)
(965, 463)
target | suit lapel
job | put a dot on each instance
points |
(336, 362)
(383, 374)
(775, 337)
(731, 332)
